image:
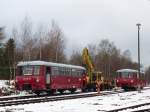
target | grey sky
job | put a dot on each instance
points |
(86, 21)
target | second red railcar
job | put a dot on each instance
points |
(130, 79)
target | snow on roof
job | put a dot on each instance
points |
(129, 70)
(23, 63)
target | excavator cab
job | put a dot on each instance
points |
(97, 76)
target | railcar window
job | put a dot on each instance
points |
(58, 71)
(55, 71)
(67, 71)
(70, 72)
(19, 70)
(135, 75)
(63, 71)
(125, 74)
(48, 70)
(36, 70)
(132, 75)
(73, 72)
(83, 72)
(27, 70)
(141, 76)
(119, 75)
(78, 73)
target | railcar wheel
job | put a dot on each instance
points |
(37, 93)
(125, 88)
(72, 90)
(61, 91)
(51, 92)
(142, 87)
(84, 90)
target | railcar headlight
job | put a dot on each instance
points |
(131, 81)
(117, 80)
(16, 80)
(37, 80)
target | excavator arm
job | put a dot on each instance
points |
(87, 62)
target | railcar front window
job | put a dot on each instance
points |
(19, 71)
(36, 70)
(27, 70)
(125, 74)
(55, 71)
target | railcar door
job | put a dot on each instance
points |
(48, 75)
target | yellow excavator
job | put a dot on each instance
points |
(92, 76)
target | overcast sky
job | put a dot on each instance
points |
(87, 21)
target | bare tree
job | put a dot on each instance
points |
(40, 35)
(104, 54)
(56, 44)
(26, 37)
(15, 37)
(2, 35)
(76, 58)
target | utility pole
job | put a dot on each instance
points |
(56, 58)
(138, 25)
(40, 48)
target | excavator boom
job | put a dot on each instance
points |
(87, 62)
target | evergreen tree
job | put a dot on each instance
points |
(2, 36)
(10, 55)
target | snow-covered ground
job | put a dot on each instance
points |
(92, 104)
(3, 83)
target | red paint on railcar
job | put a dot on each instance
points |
(128, 78)
(30, 81)
(66, 82)
(47, 76)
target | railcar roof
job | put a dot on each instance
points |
(129, 70)
(23, 63)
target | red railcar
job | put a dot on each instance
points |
(47, 76)
(129, 79)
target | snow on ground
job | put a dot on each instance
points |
(3, 83)
(92, 104)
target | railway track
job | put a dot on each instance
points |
(45, 99)
(31, 99)
(17, 97)
(8, 101)
(5, 98)
(142, 110)
(134, 108)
